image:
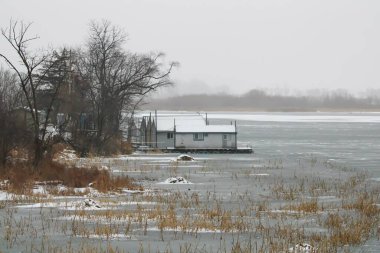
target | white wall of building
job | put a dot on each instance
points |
(163, 141)
(210, 140)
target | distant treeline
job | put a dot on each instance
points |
(259, 100)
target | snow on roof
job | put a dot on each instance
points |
(206, 129)
(188, 123)
(166, 122)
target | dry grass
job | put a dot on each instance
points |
(305, 207)
(348, 230)
(365, 203)
(249, 225)
(22, 177)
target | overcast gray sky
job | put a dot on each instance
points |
(229, 45)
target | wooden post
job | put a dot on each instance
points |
(156, 126)
(174, 135)
(146, 130)
(235, 136)
(150, 129)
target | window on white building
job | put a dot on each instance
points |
(198, 137)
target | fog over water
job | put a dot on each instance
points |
(230, 46)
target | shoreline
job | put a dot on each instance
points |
(261, 110)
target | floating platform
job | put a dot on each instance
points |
(239, 150)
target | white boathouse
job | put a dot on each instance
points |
(188, 133)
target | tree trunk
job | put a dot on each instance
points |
(38, 151)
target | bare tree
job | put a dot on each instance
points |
(32, 73)
(10, 133)
(118, 79)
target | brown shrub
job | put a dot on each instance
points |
(126, 148)
(22, 177)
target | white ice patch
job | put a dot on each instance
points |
(41, 205)
(189, 166)
(85, 204)
(128, 191)
(112, 237)
(143, 158)
(136, 203)
(191, 230)
(327, 197)
(176, 180)
(259, 175)
(3, 196)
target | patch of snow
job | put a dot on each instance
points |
(81, 190)
(104, 167)
(39, 189)
(176, 180)
(135, 171)
(112, 237)
(40, 205)
(166, 122)
(91, 203)
(286, 211)
(144, 158)
(191, 230)
(189, 166)
(136, 203)
(302, 248)
(132, 191)
(184, 158)
(82, 205)
(4, 184)
(50, 131)
(3, 196)
(67, 154)
(260, 175)
(323, 197)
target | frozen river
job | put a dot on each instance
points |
(307, 170)
(351, 138)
